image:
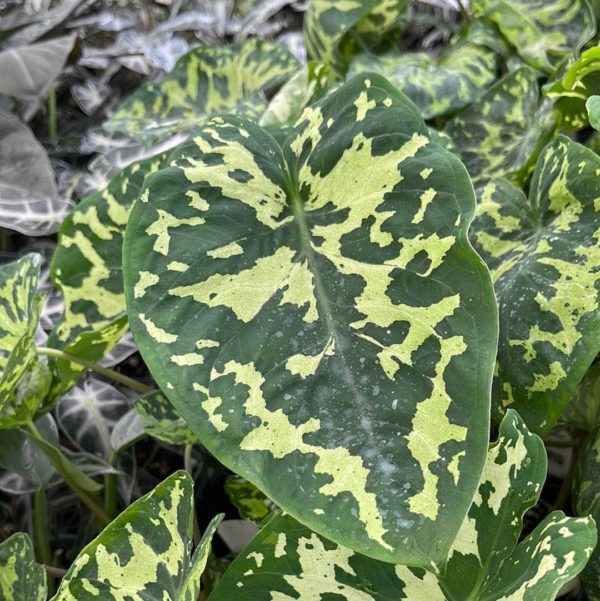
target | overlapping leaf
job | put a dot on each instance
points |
(306, 319)
(204, 82)
(19, 313)
(144, 554)
(20, 578)
(437, 85)
(541, 31)
(250, 502)
(287, 561)
(332, 28)
(497, 135)
(583, 410)
(544, 253)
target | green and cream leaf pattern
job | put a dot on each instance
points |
(498, 134)
(437, 85)
(307, 321)
(586, 495)
(287, 561)
(251, 503)
(144, 554)
(20, 578)
(544, 254)
(332, 28)
(204, 82)
(162, 421)
(20, 308)
(583, 410)
(543, 32)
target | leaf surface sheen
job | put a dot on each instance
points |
(319, 318)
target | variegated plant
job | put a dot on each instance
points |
(544, 252)
(306, 321)
(287, 561)
(20, 578)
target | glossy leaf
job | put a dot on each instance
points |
(204, 82)
(128, 430)
(20, 578)
(29, 199)
(287, 561)
(144, 554)
(498, 134)
(544, 253)
(250, 502)
(20, 308)
(332, 27)
(308, 324)
(437, 85)
(541, 31)
(161, 420)
(593, 108)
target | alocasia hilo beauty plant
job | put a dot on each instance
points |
(367, 286)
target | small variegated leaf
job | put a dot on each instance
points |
(161, 420)
(544, 253)
(204, 82)
(575, 86)
(144, 554)
(20, 309)
(543, 32)
(498, 134)
(437, 85)
(286, 561)
(332, 27)
(583, 410)
(86, 265)
(20, 578)
(292, 309)
(251, 503)
(586, 495)
(592, 106)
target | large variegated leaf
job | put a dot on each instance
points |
(19, 314)
(20, 578)
(302, 311)
(144, 554)
(437, 85)
(332, 27)
(287, 561)
(542, 31)
(544, 253)
(571, 91)
(497, 135)
(204, 82)
(586, 495)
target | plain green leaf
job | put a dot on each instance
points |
(592, 106)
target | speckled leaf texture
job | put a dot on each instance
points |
(497, 134)
(286, 561)
(20, 578)
(544, 254)
(317, 315)
(20, 308)
(543, 32)
(437, 85)
(206, 81)
(331, 25)
(586, 495)
(144, 554)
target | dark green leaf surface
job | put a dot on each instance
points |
(204, 82)
(542, 31)
(328, 336)
(583, 410)
(20, 578)
(251, 503)
(544, 254)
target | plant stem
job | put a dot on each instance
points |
(463, 11)
(110, 490)
(54, 571)
(52, 127)
(41, 543)
(105, 371)
(59, 466)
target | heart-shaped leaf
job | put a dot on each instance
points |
(302, 312)
(20, 578)
(544, 253)
(437, 85)
(204, 82)
(144, 554)
(542, 31)
(287, 561)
